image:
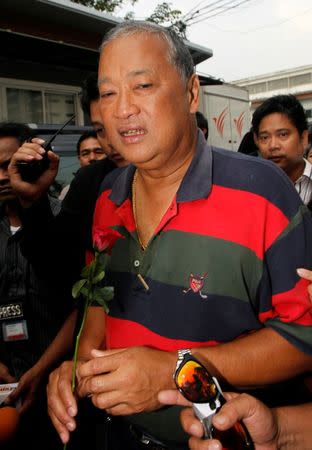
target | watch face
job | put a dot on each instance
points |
(195, 382)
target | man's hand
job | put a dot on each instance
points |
(260, 421)
(26, 390)
(126, 381)
(30, 192)
(5, 376)
(62, 404)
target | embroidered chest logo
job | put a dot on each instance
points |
(196, 284)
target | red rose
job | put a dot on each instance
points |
(104, 240)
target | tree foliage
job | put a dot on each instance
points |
(162, 15)
(104, 5)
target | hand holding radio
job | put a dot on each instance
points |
(30, 153)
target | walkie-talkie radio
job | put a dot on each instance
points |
(31, 171)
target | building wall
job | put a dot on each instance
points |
(296, 81)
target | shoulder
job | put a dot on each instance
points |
(94, 171)
(256, 175)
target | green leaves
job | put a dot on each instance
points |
(90, 286)
(76, 289)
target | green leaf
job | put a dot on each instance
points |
(98, 277)
(103, 295)
(77, 288)
(86, 270)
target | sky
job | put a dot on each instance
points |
(255, 38)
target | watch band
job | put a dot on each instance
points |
(181, 353)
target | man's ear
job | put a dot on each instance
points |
(193, 87)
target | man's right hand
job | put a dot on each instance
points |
(260, 421)
(62, 404)
(30, 192)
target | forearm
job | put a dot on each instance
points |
(92, 336)
(295, 430)
(60, 346)
(258, 359)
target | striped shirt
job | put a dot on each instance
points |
(221, 263)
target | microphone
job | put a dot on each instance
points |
(9, 420)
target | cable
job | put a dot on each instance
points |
(210, 8)
(218, 13)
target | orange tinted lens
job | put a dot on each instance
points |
(195, 383)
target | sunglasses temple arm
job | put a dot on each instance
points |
(205, 414)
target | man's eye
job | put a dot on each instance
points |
(99, 131)
(263, 138)
(144, 85)
(107, 94)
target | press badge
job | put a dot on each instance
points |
(14, 327)
(15, 331)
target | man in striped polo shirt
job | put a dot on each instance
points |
(207, 256)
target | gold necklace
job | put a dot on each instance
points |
(135, 176)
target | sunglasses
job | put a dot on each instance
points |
(197, 385)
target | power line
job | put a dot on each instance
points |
(205, 9)
(263, 27)
(220, 12)
(201, 13)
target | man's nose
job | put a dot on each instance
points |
(274, 143)
(126, 105)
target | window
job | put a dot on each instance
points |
(24, 105)
(300, 79)
(279, 83)
(32, 102)
(59, 107)
(256, 88)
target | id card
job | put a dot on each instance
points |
(15, 331)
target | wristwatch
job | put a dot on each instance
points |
(181, 353)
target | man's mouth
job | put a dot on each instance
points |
(132, 132)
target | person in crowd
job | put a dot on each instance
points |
(209, 244)
(283, 428)
(202, 123)
(309, 155)
(61, 241)
(89, 150)
(34, 330)
(281, 134)
(308, 151)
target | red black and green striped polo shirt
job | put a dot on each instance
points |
(221, 263)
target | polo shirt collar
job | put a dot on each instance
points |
(195, 185)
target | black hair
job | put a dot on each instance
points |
(20, 131)
(202, 123)
(283, 104)
(89, 92)
(83, 137)
(247, 144)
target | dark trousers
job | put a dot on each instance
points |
(98, 431)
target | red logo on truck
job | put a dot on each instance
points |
(219, 121)
(239, 122)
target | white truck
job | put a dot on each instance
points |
(227, 110)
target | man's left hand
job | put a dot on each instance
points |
(26, 390)
(126, 381)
